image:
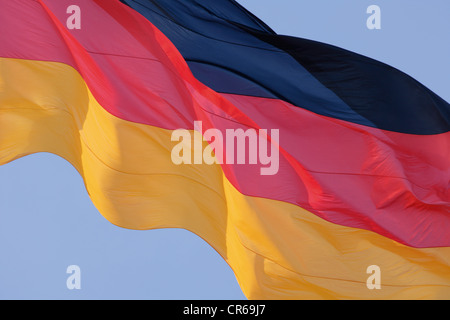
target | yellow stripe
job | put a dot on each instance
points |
(277, 250)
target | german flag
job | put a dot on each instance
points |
(352, 157)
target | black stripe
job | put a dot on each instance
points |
(246, 54)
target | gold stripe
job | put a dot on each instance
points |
(277, 250)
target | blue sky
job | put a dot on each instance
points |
(47, 221)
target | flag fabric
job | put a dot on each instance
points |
(363, 175)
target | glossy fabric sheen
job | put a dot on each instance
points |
(390, 183)
(232, 51)
(277, 250)
(346, 196)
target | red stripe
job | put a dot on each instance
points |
(391, 183)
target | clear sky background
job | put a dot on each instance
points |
(47, 220)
